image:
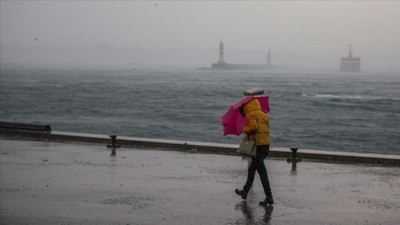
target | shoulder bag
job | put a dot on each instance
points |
(247, 147)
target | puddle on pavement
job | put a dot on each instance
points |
(136, 202)
(249, 214)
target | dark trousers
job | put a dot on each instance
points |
(257, 164)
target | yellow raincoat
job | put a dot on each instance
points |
(257, 121)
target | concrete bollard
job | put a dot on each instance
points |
(294, 160)
(113, 145)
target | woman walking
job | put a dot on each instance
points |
(257, 129)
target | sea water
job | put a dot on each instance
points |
(357, 112)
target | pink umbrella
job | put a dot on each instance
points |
(234, 122)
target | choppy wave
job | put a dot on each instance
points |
(334, 114)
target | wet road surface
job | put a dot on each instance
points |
(75, 183)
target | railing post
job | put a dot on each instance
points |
(113, 145)
(294, 160)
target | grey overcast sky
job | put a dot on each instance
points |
(300, 34)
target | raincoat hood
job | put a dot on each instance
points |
(251, 106)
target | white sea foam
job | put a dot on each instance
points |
(356, 97)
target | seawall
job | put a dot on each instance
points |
(202, 147)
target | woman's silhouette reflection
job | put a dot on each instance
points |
(268, 214)
(249, 214)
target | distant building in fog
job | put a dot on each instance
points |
(221, 64)
(350, 63)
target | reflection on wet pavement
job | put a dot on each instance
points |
(248, 214)
(67, 183)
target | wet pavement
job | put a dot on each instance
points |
(75, 183)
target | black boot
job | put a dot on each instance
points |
(242, 193)
(268, 201)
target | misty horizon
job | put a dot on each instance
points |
(300, 35)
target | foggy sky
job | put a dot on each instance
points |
(300, 34)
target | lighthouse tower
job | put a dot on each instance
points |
(221, 53)
(269, 57)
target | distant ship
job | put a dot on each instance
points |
(222, 65)
(350, 63)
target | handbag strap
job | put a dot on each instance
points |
(255, 135)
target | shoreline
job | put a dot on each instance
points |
(203, 147)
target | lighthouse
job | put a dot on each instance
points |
(221, 53)
(269, 57)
